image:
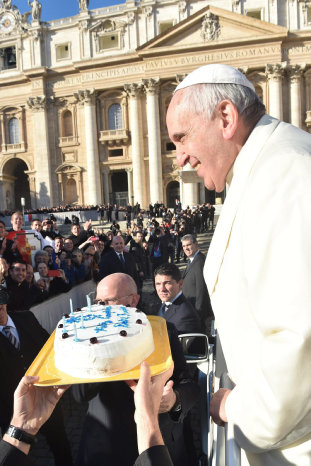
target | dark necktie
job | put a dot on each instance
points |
(12, 339)
(121, 257)
(163, 309)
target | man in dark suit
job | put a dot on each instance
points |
(118, 261)
(109, 435)
(21, 338)
(175, 307)
(194, 286)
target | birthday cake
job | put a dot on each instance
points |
(101, 341)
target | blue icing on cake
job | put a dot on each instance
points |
(108, 340)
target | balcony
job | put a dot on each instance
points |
(68, 141)
(13, 148)
(114, 137)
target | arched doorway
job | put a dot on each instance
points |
(15, 184)
(119, 188)
(172, 193)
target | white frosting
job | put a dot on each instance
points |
(113, 353)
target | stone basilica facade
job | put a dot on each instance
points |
(83, 99)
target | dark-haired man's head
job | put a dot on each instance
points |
(168, 282)
(18, 270)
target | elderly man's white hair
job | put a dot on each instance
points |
(207, 86)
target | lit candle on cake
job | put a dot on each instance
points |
(71, 307)
(64, 324)
(88, 300)
(76, 332)
(82, 321)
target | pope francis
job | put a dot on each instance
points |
(258, 268)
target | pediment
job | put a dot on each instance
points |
(107, 25)
(213, 26)
(69, 168)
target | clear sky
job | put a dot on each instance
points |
(55, 9)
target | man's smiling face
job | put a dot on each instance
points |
(198, 142)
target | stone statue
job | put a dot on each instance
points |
(84, 4)
(210, 27)
(7, 4)
(35, 10)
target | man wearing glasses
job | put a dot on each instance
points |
(109, 432)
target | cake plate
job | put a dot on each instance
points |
(159, 361)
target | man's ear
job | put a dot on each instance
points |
(135, 299)
(229, 118)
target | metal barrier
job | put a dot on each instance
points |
(218, 445)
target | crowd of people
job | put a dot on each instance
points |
(87, 252)
(148, 247)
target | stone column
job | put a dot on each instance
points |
(106, 185)
(181, 188)
(275, 75)
(295, 73)
(190, 189)
(87, 98)
(134, 91)
(32, 187)
(154, 141)
(130, 186)
(3, 132)
(201, 193)
(42, 160)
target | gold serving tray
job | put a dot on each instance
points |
(159, 361)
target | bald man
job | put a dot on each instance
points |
(118, 260)
(109, 432)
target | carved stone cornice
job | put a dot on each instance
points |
(210, 29)
(295, 72)
(133, 90)
(85, 96)
(151, 86)
(276, 71)
(37, 103)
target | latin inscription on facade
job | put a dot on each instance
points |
(166, 63)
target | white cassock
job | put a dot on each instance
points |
(258, 273)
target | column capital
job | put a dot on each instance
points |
(182, 6)
(180, 77)
(276, 71)
(133, 90)
(129, 169)
(37, 103)
(85, 96)
(295, 72)
(151, 86)
(147, 11)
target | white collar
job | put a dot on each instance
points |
(191, 258)
(9, 323)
